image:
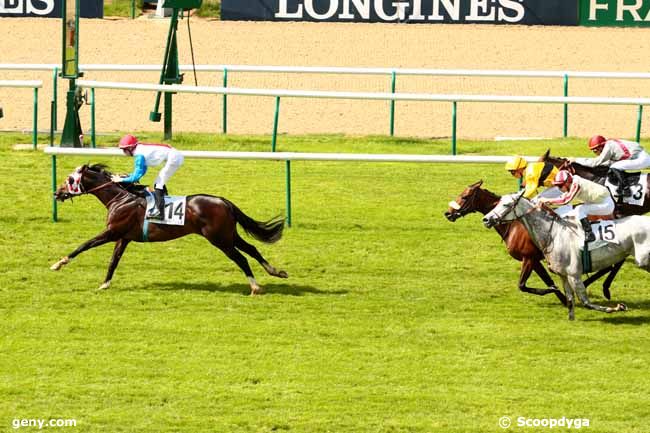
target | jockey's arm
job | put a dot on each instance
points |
(139, 170)
(565, 197)
(605, 158)
(531, 181)
(530, 190)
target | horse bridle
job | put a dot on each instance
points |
(82, 189)
(467, 204)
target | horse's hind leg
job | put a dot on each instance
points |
(611, 271)
(120, 246)
(237, 257)
(252, 251)
(582, 294)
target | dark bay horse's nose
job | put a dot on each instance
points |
(450, 216)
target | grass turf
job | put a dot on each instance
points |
(392, 320)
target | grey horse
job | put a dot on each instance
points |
(561, 241)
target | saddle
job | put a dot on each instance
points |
(136, 189)
(628, 179)
(596, 218)
(140, 190)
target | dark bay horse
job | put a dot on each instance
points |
(214, 218)
(518, 242)
(598, 174)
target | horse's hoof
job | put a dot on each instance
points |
(257, 291)
(58, 265)
(621, 307)
(283, 274)
(104, 286)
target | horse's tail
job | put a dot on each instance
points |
(266, 231)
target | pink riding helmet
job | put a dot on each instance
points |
(562, 177)
(128, 142)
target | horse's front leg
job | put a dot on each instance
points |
(568, 291)
(581, 291)
(120, 246)
(100, 239)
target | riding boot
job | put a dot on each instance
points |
(622, 189)
(157, 212)
(589, 234)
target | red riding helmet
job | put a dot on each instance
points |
(562, 177)
(128, 142)
(596, 141)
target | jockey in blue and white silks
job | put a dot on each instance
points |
(596, 199)
(149, 155)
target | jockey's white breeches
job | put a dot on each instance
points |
(639, 163)
(174, 161)
(606, 207)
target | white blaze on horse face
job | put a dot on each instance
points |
(454, 205)
(74, 182)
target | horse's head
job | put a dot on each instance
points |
(82, 180)
(561, 163)
(508, 209)
(467, 202)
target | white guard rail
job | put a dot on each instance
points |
(280, 156)
(28, 84)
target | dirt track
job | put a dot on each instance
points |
(121, 41)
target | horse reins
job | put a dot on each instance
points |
(103, 185)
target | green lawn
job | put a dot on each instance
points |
(392, 320)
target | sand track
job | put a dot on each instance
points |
(358, 45)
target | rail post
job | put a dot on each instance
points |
(52, 110)
(392, 104)
(93, 135)
(275, 123)
(288, 190)
(224, 114)
(55, 97)
(54, 209)
(35, 133)
(454, 112)
(638, 123)
(566, 106)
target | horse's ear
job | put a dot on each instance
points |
(544, 157)
(476, 184)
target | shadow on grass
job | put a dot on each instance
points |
(622, 319)
(244, 289)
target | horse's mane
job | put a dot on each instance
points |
(133, 188)
(101, 168)
(599, 170)
(487, 191)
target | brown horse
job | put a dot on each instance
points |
(214, 218)
(518, 242)
(598, 174)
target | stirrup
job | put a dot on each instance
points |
(155, 214)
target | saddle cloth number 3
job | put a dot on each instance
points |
(605, 231)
